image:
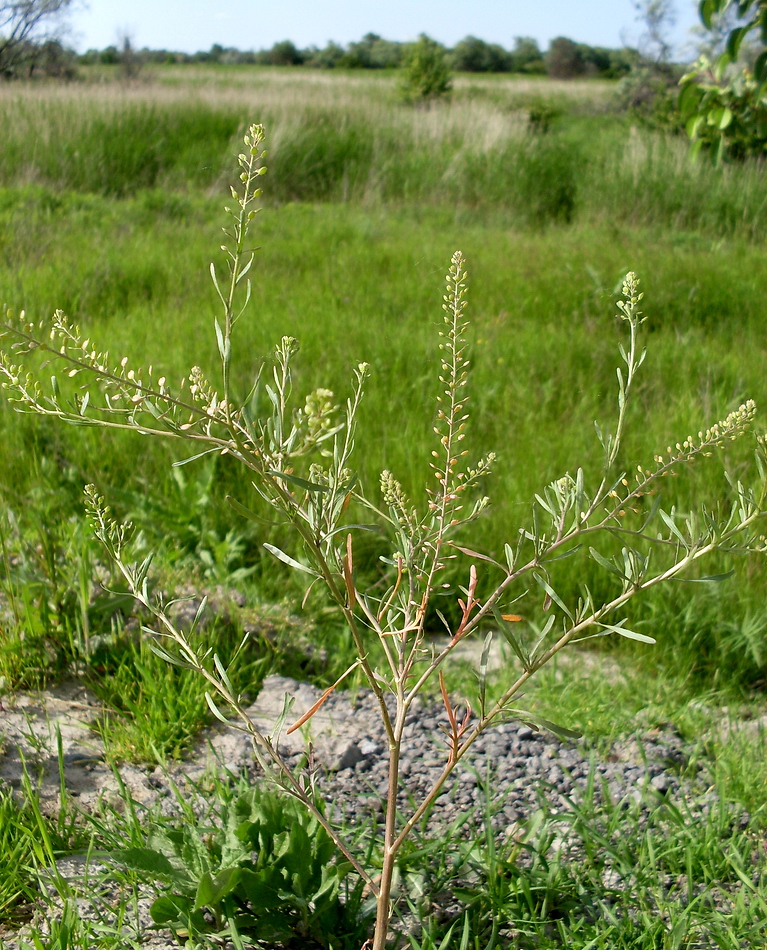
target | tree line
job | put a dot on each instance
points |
(564, 58)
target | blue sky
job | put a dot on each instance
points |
(190, 25)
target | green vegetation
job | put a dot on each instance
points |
(264, 869)
(108, 204)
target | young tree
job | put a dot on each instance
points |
(426, 71)
(564, 59)
(25, 27)
(658, 18)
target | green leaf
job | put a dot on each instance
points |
(532, 719)
(287, 559)
(544, 504)
(710, 579)
(628, 634)
(150, 862)
(247, 513)
(169, 910)
(352, 527)
(539, 579)
(671, 525)
(169, 658)
(220, 339)
(605, 563)
(193, 458)
(694, 125)
(689, 99)
(212, 890)
(707, 10)
(512, 640)
(735, 39)
(299, 482)
(726, 118)
(215, 710)
(483, 664)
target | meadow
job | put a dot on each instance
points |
(110, 204)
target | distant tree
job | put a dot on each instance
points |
(526, 57)
(473, 55)
(26, 26)
(285, 53)
(327, 58)
(426, 71)
(373, 52)
(130, 61)
(658, 18)
(564, 59)
(109, 56)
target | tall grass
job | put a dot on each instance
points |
(345, 138)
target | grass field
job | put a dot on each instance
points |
(110, 204)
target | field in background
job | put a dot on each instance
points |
(533, 152)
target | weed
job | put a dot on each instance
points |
(266, 870)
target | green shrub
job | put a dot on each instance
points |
(426, 72)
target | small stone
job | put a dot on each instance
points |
(661, 783)
(346, 754)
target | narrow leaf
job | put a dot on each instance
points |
(193, 458)
(709, 579)
(215, 710)
(220, 339)
(551, 593)
(247, 513)
(287, 559)
(605, 563)
(672, 527)
(512, 639)
(482, 557)
(299, 482)
(628, 634)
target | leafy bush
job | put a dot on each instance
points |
(426, 72)
(725, 107)
(564, 59)
(727, 117)
(472, 55)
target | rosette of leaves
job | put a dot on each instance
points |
(269, 872)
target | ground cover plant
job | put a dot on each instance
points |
(314, 502)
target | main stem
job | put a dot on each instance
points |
(391, 843)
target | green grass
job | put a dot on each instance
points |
(348, 138)
(356, 283)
